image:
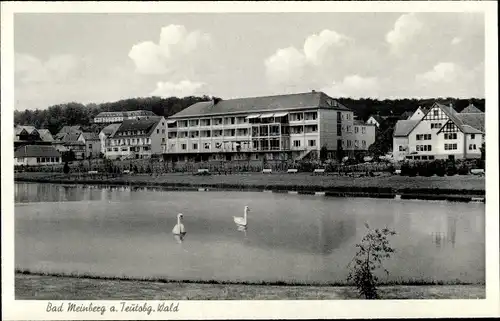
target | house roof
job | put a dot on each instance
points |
(110, 129)
(404, 127)
(359, 122)
(474, 120)
(36, 151)
(28, 129)
(144, 124)
(406, 115)
(471, 109)
(378, 118)
(90, 136)
(45, 135)
(261, 104)
(71, 129)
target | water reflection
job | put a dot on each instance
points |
(288, 236)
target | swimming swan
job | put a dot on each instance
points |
(241, 222)
(179, 231)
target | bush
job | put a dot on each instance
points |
(66, 168)
(374, 247)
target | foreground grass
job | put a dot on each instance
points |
(448, 184)
(47, 287)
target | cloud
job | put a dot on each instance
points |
(181, 89)
(289, 65)
(58, 68)
(406, 27)
(176, 47)
(317, 46)
(447, 79)
(285, 65)
(354, 86)
(442, 72)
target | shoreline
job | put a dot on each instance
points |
(42, 286)
(388, 187)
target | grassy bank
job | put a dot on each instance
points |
(50, 287)
(388, 185)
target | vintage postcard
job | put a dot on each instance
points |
(283, 160)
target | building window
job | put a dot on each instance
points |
(472, 136)
(349, 143)
(436, 112)
(195, 146)
(356, 129)
(363, 143)
(312, 143)
(109, 149)
(450, 146)
(296, 143)
(124, 149)
(116, 149)
(207, 145)
(183, 146)
(450, 136)
(38, 160)
(363, 130)
(339, 130)
(431, 157)
(163, 139)
(90, 145)
(401, 148)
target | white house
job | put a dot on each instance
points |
(105, 133)
(418, 114)
(36, 155)
(137, 138)
(375, 120)
(441, 134)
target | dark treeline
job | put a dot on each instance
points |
(55, 117)
(365, 107)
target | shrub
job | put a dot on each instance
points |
(374, 247)
(451, 169)
(66, 168)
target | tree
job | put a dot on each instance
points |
(340, 153)
(483, 151)
(374, 247)
(323, 153)
(66, 168)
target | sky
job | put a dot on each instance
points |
(94, 58)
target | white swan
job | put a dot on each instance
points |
(179, 231)
(241, 222)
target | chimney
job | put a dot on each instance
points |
(313, 91)
(451, 108)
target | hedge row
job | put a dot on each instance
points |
(440, 167)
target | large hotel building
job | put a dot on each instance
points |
(284, 127)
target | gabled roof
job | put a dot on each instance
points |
(474, 120)
(36, 151)
(71, 129)
(471, 109)
(378, 118)
(406, 115)
(67, 137)
(28, 129)
(110, 129)
(90, 136)
(404, 127)
(144, 124)
(261, 104)
(45, 135)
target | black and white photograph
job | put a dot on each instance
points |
(185, 161)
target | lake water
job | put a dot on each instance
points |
(122, 231)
